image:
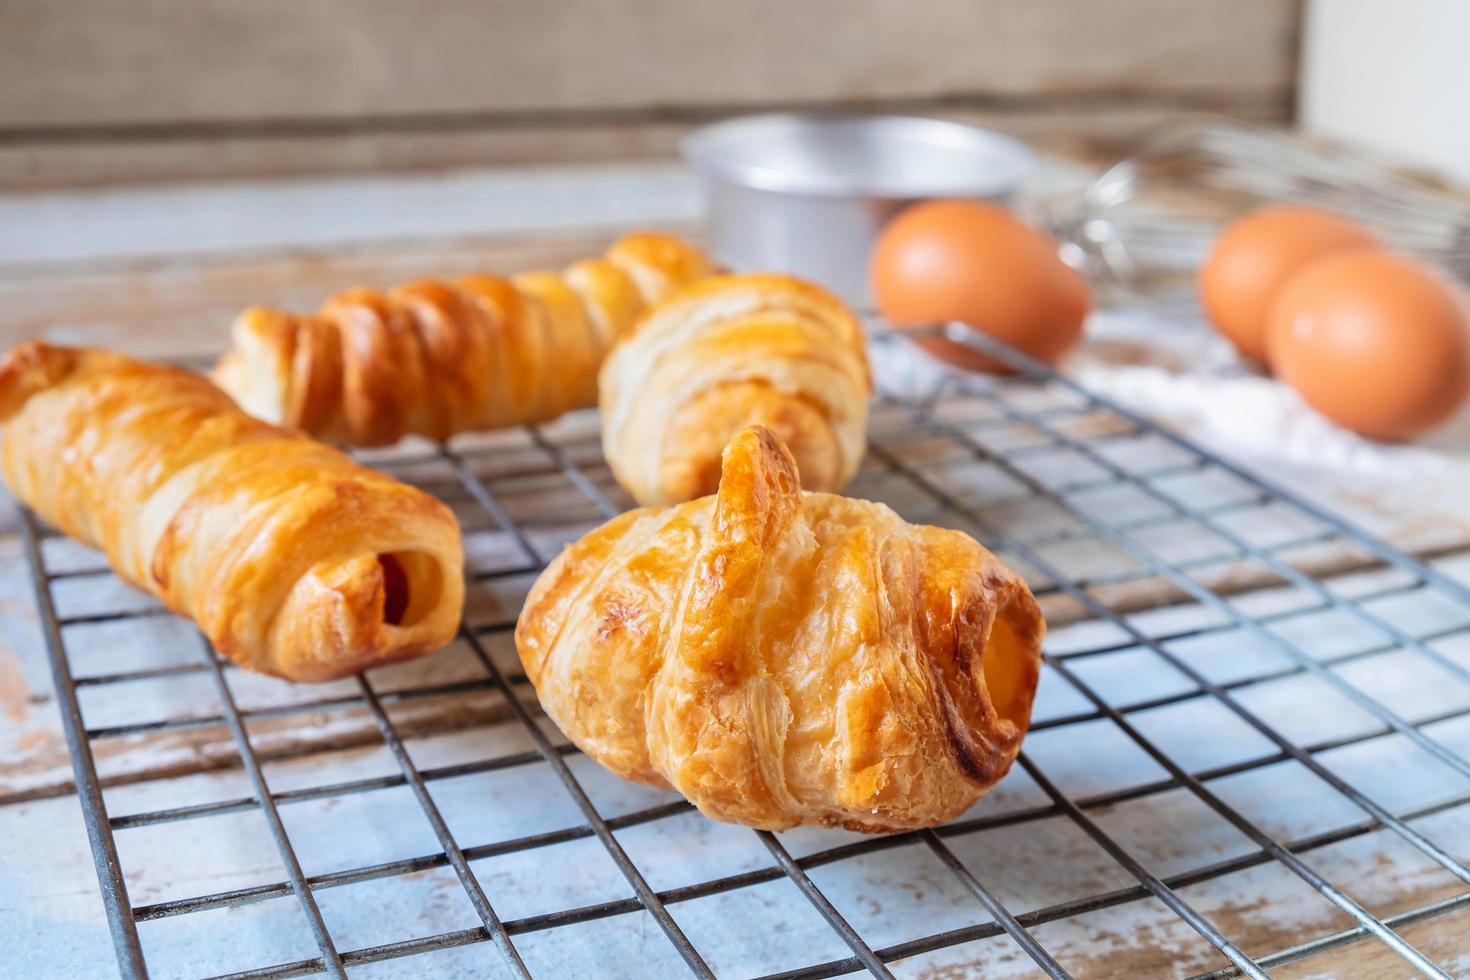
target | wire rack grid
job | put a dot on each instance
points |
(1102, 511)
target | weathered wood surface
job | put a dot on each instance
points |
(98, 91)
(50, 902)
(1083, 128)
(168, 309)
(334, 59)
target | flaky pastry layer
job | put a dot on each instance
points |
(782, 657)
(434, 358)
(726, 353)
(293, 559)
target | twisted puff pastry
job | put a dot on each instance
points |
(293, 559)
(725, 353)
(436, 358)
(782, 657)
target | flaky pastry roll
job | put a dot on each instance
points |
(782, 657)
(292, 559)
(723, 354)
(434, 358)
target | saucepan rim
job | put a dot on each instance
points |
(1001, 161)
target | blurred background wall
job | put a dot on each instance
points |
(103, 91)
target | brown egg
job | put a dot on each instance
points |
(1375, 342)
(1254, 257)
(965, 261)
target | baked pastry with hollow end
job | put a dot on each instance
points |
(293, 559)
(434, 358)
(782, 657)
(725, 353)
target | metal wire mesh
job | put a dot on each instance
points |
(1110, 518)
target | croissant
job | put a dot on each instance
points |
(293, 559)
(725, 353)
(436, 358)
(782, 657)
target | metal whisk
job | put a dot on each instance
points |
(1144, 225)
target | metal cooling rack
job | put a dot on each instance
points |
(1035, 444)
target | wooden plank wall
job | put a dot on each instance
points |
(96, 91)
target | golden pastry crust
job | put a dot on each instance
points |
(293, 559)
(723, 354)
(436, 358)
(782, 657)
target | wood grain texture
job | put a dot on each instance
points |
(162, 308)
(1086, 128)
(92, 91)
(217, 61)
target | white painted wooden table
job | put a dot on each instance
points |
(159, 271)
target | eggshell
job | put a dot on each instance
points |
(1377, 343)
(966, 261)
(1255, 256)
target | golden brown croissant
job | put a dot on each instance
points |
(782, 657)
(436, 358)
(725, 353)
(293, 559)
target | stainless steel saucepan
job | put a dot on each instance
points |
(808, 193)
